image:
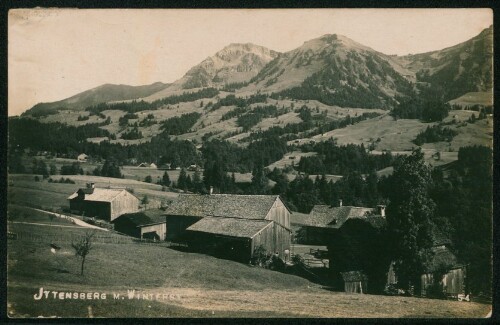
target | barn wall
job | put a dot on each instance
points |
(160, 229)
(125, 226)
(101, 210)
(452, 282)
(124, 203)
(356, 287)
(177, 225)
(76, 204)
(226, 247)
(265, 238)
(279, 213)
(274, 238)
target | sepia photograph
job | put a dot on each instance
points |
(250, 163)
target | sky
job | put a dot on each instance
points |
(56, 53)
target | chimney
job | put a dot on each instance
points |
(340, 202)
(381, 210)
(211, 190)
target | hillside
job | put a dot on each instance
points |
(337, 71)
(457, 70)
(94, 96)
(330, 86)
(187, 284)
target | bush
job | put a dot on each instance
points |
(260, 256)
(435, 290)
(297, 260)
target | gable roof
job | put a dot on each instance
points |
(222, 205)
(334, 217)
(148, 217)
(98, 194)
(242, 228)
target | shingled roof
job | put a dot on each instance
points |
(242, 228)
(148, 217)
(98, 194)
(222, 205)
(333, 217)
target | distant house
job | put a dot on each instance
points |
(194, 168)
(231, 226)
(153, 165)
(143, 165)
(149, 224)
(82, 157)
(355, 238)
(103, 203)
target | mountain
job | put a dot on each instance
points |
(103, 93)
(457, 70)
(235, 64)
(336, 71)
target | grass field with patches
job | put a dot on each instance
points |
(197, 285)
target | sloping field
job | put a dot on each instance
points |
(473, 98)
(397, 135)
(23, 190)
(172, 283)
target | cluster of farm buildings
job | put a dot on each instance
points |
(235, 226)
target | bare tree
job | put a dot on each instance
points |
(83, 246)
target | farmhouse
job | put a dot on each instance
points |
(232, 226)
(82, 157)
(103, 203)
(149, 224)
(354, 237)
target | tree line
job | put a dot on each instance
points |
(135, 106)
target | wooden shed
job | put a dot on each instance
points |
(445, 272)
(103, 203)
(237, 222)
(355, 282)
(149, 224)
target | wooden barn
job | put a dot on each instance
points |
(445, 272)
(103, 203)
(149, 224)
(355, 240)
(231, 226)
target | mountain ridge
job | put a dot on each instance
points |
(103, 93)
(332, 68)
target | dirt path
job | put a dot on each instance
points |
(45, 224)
(76, 221)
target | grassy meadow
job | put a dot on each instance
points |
(194, 285)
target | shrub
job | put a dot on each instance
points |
(298, 259)
(260, 256)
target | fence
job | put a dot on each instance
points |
(109, 238)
